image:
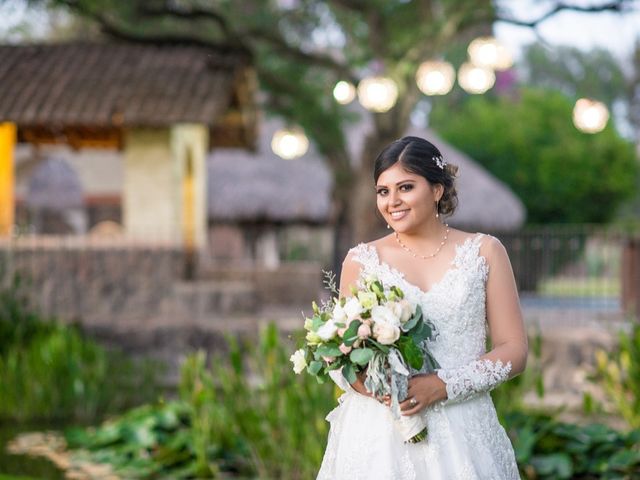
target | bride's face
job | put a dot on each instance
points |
(406, 200)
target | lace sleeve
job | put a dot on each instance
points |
(473, 378)
(338, 378)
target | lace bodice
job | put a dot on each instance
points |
(455, 304)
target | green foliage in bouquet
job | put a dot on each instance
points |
(51, 371)
(345, 334)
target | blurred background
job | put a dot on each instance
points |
(176, 175)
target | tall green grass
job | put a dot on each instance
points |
(51, 371)
(244, 413)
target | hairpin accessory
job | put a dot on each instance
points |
(439, 161)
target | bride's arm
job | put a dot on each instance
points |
(508, 356)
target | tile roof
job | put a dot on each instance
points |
(119, 84)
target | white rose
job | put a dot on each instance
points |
(328, 330)
(386, 333)
(382, 314)
(408, 310)
(396, 308)
(367, 299)
(298, 360)
(338, 314)
(352, 308)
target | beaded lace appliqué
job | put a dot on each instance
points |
(473, 378)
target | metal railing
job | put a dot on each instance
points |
(576, 272)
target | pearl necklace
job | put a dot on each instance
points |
(425, 257)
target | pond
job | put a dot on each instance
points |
(23, 465)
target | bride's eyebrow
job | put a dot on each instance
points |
(398, 183)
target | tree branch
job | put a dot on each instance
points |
(613, 6)
(190, 14)
(242, 37)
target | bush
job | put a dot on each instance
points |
(561, 174)
(618, 372)
(50, 371)
(550, 450)
(248, 416)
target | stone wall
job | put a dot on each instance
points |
(113, 284)
(130, 286)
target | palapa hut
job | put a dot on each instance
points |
(259, 204)
(484, 202)
(164, 106)
(264, 208)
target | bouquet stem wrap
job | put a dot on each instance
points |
(392, 367)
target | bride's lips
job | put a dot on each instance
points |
(399, 214)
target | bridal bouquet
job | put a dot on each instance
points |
(376, 330)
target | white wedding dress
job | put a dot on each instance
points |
(465, 440)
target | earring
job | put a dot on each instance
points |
(437, 208)
(388, 226)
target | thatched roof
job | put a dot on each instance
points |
(484, 202)
(249, 187)
(54, 185)
(105, 84)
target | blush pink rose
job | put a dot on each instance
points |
(364, 331)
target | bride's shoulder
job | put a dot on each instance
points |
(367, 250)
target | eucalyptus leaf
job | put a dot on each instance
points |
(361, 356)
(381, 347)
(329, 350)
(314, 367)
(349, 373)
(351, 333)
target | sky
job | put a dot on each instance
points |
(613, 31)
(616, 32)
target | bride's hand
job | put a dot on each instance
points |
(359, 387)
(424, 390)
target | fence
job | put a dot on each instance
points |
(572, 273)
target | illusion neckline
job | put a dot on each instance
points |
(459, 247)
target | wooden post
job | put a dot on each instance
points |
(631, 277)
(7, 177)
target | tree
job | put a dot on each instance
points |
(577, 73)
(561, 174)
(301, 51)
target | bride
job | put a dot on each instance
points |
(465, 285)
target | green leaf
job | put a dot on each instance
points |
(316, 322)
(351, 333)
(329, 350)
(314, 367)
(361, 356)
(556, 465)
(349, 373)
(410, 352)
(381, 347)
(624, 459)
(413, 321)
(422, 331)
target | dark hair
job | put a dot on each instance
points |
(417, 156)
